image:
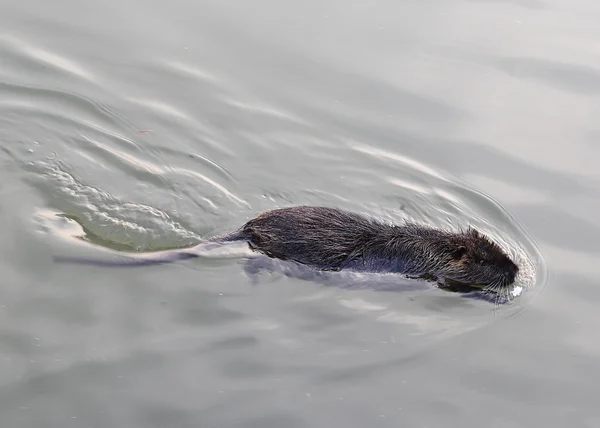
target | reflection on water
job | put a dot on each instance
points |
(146, 127)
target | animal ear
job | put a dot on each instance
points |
(459, 252)
(473, 231)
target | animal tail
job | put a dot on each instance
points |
(130, 261)
(156, 258)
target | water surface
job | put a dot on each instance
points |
(135, 127)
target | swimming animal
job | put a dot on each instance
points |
(329, 239)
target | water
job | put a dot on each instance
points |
(135, 126)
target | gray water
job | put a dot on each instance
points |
(139, 126)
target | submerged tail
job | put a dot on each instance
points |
(130, 261)
(155, 258)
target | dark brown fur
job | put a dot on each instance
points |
(332, 239)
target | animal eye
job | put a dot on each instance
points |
(483, 262)
(459, 252)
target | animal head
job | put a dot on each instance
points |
(477, 261)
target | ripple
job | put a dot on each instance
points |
(193, 71)
(59, 105)
(160, 107)
(86, 141)
(105, 219)
(156, 173)
(264, 110)
(51, 59)
(216, 185)
(411, 163)
(432, 198)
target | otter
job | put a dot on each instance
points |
(330, 239)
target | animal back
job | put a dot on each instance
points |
(317, 236)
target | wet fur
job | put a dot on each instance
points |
(329, 239)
